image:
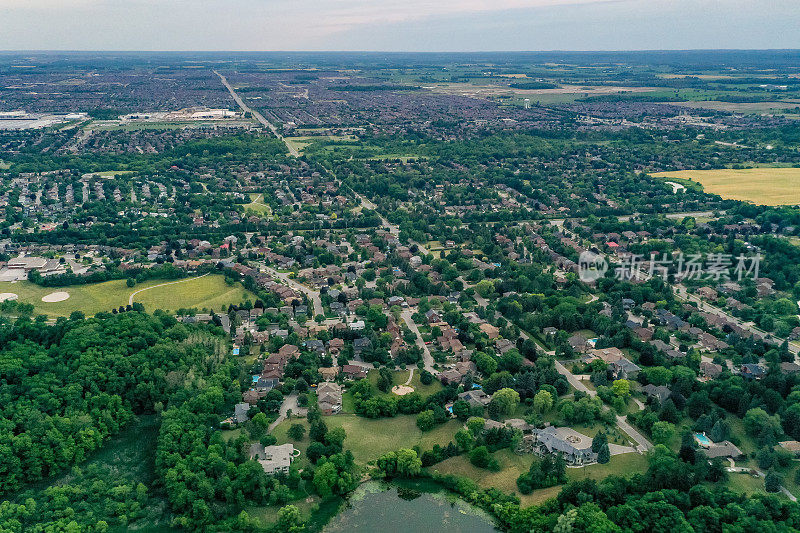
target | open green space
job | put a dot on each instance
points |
(209, 292)
(512, 465)
(369, 438)
(257, 205)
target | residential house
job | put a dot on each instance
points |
(353, 372)
(657, 392)
(475, 398)
(329, 398)
(573, 446)
(710, 370)
(274, 459)
(624, 369)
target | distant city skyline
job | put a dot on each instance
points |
(398, 25)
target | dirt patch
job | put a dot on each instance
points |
(402, 390)
(54, 297)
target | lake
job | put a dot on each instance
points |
(387, 508)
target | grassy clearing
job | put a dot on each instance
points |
(257, 206)
(368, 439)
(764, 186)
(209, 292)
(301, 142)
(512, 465)
(746, 484)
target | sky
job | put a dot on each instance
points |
(398, 25)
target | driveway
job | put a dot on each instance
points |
(289, 402)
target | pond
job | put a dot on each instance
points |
(387, 508)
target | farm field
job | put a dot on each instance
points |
(209, 292)
(764, 186)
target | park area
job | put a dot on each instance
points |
(209, 292)
(763, 186)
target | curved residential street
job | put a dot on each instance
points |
(311, 293)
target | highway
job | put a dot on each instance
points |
(258, 116)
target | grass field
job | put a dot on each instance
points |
(258, 206)
(512, 465)
(368, 439)
(209, 292)
(763, 186)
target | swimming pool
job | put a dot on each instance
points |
(702, 440)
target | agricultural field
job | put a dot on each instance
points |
(210, 292)
(764, 186)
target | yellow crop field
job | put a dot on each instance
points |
(764, 186)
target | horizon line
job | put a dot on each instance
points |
(551, 51)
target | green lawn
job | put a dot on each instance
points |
(400, 378)
(368, 439)
(210, 292)
(257, 206)
(512, 465)
(747, 484)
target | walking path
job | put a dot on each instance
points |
(134, 293)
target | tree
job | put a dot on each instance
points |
(486, 364)
(296, 432)
(464, 439)
(461, 409)
(621, 388)
(773, 481)
(289, 520)
(505, 401)
(604, 455)
(480, 457)
(662, 432)
(408, 464)
(543, 401)
(426, 420)
(385, 379)
(485, 288)
(325, 478)
(475, 425)
(336, 436)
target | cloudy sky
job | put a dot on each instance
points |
(397, 25)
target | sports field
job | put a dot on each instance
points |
(210, 292)
(763, 186)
